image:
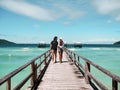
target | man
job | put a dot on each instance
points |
(53, 47)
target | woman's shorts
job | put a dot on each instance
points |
(60, 50)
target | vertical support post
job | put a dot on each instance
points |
(71, 54)
(40, 65)
(34, 72)
(78, 61)
(87, 69)
(114, 85)
(74, 58)
(8, 84)
(45, 58)
(49, 57)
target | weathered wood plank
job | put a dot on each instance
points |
(63, 76)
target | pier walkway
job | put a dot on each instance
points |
(63, 76)
(74, 73)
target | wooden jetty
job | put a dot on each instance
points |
(69, 75)
(63, 76)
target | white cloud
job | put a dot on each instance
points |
(27, 9)
(108, 7)
(69, 11)
(42, 12)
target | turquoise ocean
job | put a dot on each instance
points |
(107, 57)
(13, 57)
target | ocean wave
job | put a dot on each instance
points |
(26, 49)
(9, 55)
(95, 48)
(23, 49)
(118, 49)
(72, 49)
(112, 49)
(5, 55)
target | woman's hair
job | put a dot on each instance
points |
(61, 41)
(55, 38)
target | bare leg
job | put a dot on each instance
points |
(61, 56)
(55, 53)
(52, 55)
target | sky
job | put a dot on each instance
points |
(38, 21)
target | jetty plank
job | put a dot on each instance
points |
(63, 76)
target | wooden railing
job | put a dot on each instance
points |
(88, 75)
(41, 62)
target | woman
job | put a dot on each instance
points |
(53, 47)
(60, 49)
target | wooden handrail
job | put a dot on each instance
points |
(33, 74)
(86, 70)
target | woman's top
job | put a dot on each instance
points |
(61, 45)
(54, 45)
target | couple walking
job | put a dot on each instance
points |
(54, 46)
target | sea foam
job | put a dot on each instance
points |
(26, 49)
(95, 48)
(72, 49)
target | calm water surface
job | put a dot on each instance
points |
(12, 58)
(108, 58)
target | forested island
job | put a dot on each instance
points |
(6, 42)
(117, 43)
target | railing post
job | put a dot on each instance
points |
(45, 58)
(74, 58)
(78, 60)
(49, 57)
(71, 55)
(114, 85)
(87, 69)
(34, 72)
(40, 66)
(8, 84)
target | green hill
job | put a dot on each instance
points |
(117, 43)
(5, 42)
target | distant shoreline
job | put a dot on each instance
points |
(6, 43)
(66, 45)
